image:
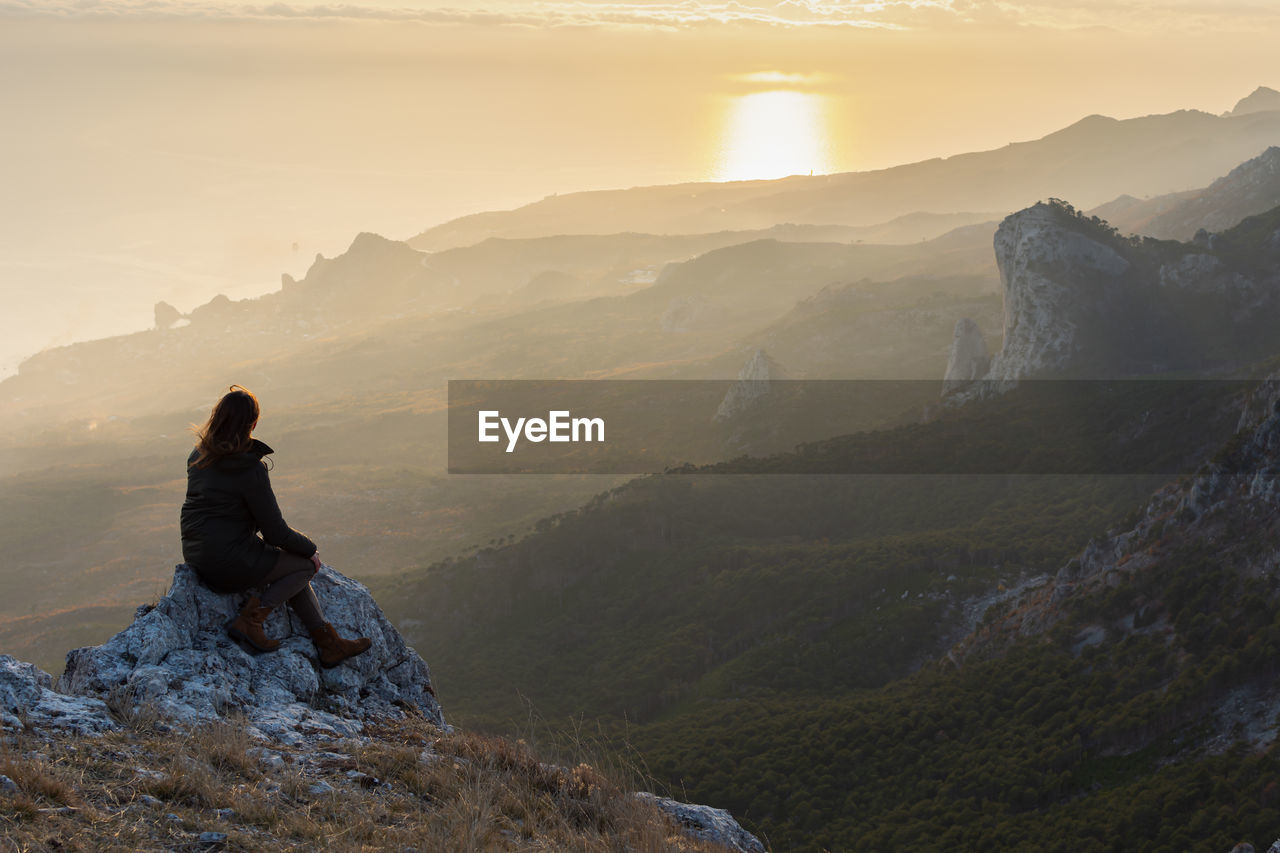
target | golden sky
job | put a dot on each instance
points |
(179, 148)
(914, 15)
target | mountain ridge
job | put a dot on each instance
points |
(1250, 188)
(1091, 160)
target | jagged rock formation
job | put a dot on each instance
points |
(216, 313)
(27, 694)
(166, 315)
(969, 358)
(1055, 280)
(177, 658)
(1203, 272)
(1081, 301)
(708, 824)
(753, 383)
(1261, 99)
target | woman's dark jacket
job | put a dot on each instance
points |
(227, 504)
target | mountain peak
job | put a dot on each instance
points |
(368, 241)
(1261, 99)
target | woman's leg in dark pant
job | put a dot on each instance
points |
(290, 581)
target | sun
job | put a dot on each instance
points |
(774, 134)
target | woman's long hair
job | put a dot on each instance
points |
(228, 428)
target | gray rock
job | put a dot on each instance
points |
(212, 837)
(320, 789)
(177, 658)
(7, 785)
(21, 683)
(1044, 262)
(26, 691)
(269, 758)
(1204, 273)
(1189, 270)
(364, 780)
(969, 358)
(753, 383)
(705, 823)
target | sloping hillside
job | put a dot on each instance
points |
(1249, 189)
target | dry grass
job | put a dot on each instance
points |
(409, 787)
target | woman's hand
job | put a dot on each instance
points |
(315, 560)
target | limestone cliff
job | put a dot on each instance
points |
(1056, 280)
(1082, 301)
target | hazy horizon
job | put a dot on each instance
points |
(178, 150)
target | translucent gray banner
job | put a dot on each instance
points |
(838, 427)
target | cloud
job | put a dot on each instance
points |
(782, 78)
(676, 14)
(1142, 15)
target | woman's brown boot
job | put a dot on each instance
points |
(247, 627)
(333, 648)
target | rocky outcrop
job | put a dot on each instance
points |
(705, 823)
(1204, 273)
(177, 659)
(1082, 301)
(969, 358)
(753, 384)
(166, 315)
(1054, 278)
(27, 699)
(1243, 485)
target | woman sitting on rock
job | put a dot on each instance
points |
(229, 500)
